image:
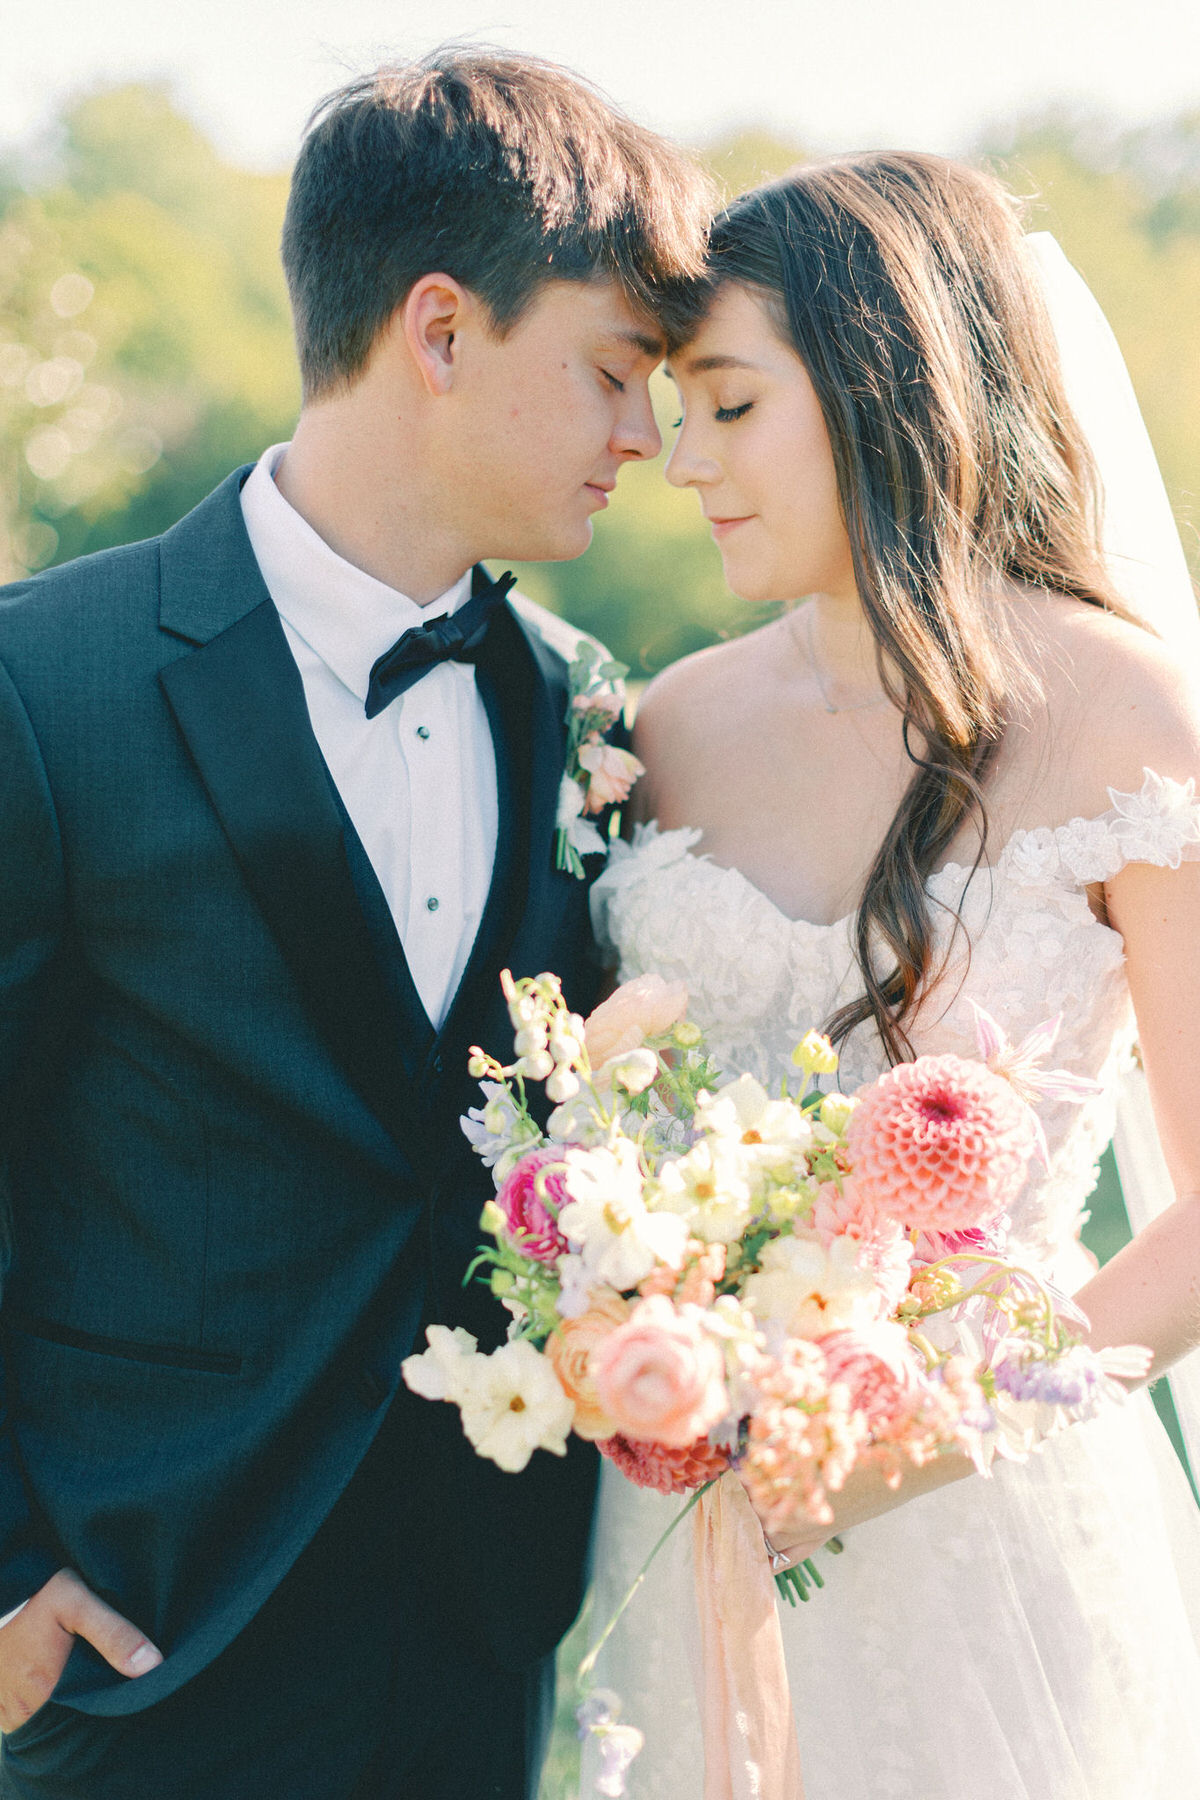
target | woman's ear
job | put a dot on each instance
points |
(429, 320)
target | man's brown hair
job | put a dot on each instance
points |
(501, 170)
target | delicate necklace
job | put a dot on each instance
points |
(858, 705)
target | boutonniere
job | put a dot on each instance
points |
(596, 775)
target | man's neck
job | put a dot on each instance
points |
(370, 500)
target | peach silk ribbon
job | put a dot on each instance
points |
(750, 1749)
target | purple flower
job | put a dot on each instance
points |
(1073, 1380)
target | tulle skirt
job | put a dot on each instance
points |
(1032, 1636)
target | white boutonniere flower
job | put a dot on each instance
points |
(596, 775)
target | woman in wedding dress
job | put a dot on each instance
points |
(961, 771)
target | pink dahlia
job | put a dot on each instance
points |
(531, 1197)
(662, 1468)
(940, 1144)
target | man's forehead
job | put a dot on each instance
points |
(617, 323)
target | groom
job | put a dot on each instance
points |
(261, 870)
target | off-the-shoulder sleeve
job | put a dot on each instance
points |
(1159, 824)
(650, 852)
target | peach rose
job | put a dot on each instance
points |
(570, 1350)
(660, 1376)
(611, 773)
(639, 1009)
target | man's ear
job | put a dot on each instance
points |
(430, 319)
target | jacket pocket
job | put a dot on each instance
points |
(169, 1356)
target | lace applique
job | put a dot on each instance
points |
(1160, 824)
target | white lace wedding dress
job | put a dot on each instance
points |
(1028, 1637)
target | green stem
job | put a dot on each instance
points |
(589, 1661)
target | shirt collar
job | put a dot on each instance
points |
(345, 616)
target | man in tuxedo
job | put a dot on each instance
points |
(277, 803)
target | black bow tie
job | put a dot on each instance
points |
(455, 637)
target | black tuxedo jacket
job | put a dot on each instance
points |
(235, 1178)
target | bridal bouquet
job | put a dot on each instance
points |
(703, 1275)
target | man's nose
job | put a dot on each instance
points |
(637, 433)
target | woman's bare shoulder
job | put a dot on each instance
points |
(1117, 700)
(687, 718)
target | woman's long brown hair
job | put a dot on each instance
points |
(904, 284)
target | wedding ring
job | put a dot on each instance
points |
(780, 1559)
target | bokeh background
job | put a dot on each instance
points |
(144, 338)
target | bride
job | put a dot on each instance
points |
(961, 771)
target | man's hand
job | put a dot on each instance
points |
(36, 1644)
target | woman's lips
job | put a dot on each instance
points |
(722, 527)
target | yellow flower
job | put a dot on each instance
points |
(815, 1055)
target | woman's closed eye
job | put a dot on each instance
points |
(725, 415)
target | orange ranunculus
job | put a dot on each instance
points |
(570, 1350)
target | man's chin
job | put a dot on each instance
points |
(562, 545)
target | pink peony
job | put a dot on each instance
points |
(611, 773)
(539, 1177)
(940, 1144)
(876, 1368)
(660, 1376)
(667, 1471)
(639, 1009)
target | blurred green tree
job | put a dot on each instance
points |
(144, 333)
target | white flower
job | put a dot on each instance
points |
(439, 1373)
(810, 1290)
(607, 1220)
(512, 1405)
(775, 1134)
(581, 833)
(576, 1121)
(497, 1131)
(633, 1070)
(575, 1286)
(709, 1190)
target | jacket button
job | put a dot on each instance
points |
(437, 1065)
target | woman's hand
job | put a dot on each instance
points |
(865, 1496)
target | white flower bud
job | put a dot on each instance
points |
(537, 1066)
(495, 1119)
(477, 1067)
(562, 1085)
(635, 1071)
(565, 1047)
(530, 1040)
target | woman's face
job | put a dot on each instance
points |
(754, 446)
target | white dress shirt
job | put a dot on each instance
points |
(419, 779)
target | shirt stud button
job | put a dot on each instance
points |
(422, 731)
(433, 903)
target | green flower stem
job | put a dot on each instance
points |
(589, 1662)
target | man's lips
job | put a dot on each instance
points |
(601, 490)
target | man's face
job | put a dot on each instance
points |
(546, 417)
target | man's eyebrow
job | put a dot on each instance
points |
(645, 341)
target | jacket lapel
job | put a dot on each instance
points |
(238, 699)
(523, 686)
